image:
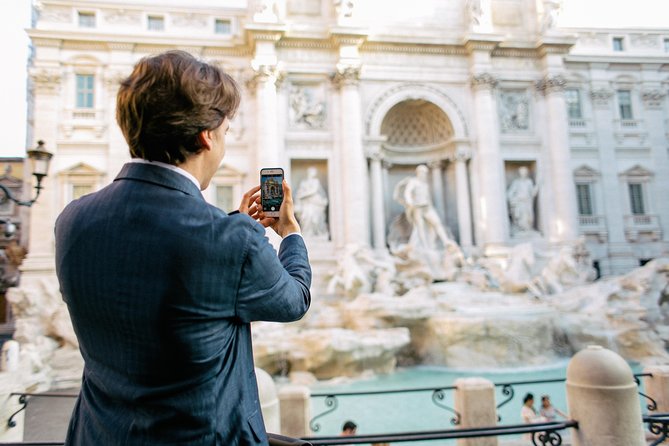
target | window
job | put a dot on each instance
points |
(636, 198)
(79, 190)
(618, 44)
(224, 197)
(666, 45)
(86, 19)
(156, 23)
(85, 91)
(584, 198)
(625, 104)
(573, 98)
(222, 26)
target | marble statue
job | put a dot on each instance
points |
(479, 15)
(311, 205)
(414, 194)
(305, 110)
(344, 8)
(521, 194)
(551, 11)
(514, 111)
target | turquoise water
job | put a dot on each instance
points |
(410, 412)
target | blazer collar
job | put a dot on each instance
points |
(158, 175)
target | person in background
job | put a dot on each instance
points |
(527, 412)
(548, 411)
(162, 286)
(349, 429)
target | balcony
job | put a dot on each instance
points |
(83, 121)
(578, 123)
(631, 131)
(593, 225)
(642, 228)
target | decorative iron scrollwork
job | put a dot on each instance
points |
(550, 437)
(439, 395)
(507, 390)
(23, 399)
(331, 402)
(652, 405)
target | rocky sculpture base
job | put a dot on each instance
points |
(453, 324)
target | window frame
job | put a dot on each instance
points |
(579, 103)
(618, 44)
(218, 21)
(85, 93)
(585, 185)
(86, 15)
(155, 18)
(625, 110)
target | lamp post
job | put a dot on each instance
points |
(40, 159)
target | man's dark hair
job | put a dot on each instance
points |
(170, 98)
(528, 397)
(349, 426)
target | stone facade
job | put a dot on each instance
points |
(365, 93)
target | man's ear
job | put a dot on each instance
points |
(204, 138)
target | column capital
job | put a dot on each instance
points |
(461, 155)
(435, 164)
(46, 80)
(346, 75)
(551, 83)
(264, 74)
(482, 81)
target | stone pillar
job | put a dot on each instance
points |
(40, 260)
(564, 227)
(265, 65)
(355, 188)
(657, 386)
(378, 212)
(603, 399)
(295, 403)
(475, 402)
(492, 202)
(463, 198)
(267, 125)
(269, 401)
(438, 188)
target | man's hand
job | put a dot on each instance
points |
(251, 203)
(286, 223)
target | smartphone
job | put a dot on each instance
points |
(271, 190)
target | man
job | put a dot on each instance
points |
(161, 286)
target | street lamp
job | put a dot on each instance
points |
(39, 158)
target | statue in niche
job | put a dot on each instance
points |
(305, 110)
(344, 8)
(551, 11)
(311, 205)
(479, 15)
(514, 111)
(418, 234)
(521, 194)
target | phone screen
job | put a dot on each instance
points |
(271, 190)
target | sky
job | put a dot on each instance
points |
(15, 18)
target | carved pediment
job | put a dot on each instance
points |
(81, 169)
(637, 171)
(585, 172)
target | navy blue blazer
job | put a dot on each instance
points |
(161, 287)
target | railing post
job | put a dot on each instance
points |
(295, 403)
(603, 399)
(475, 402)
(10, 404)
(269, 402)
(657, 386)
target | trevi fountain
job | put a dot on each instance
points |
(422, 301)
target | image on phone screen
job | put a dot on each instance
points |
(271, 191)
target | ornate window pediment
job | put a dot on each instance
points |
(586, 174)
(637, 173)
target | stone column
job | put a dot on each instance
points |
(40, 260)
(295, 404)
(378, 212)
(603, 399)
(438, 188)
(492, 203)
(267, 75)
(463, 197)
(355, 189)
(475, 402)
(267, 125)
(564, 227)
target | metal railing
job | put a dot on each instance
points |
(541, 433)
(332, 403)
(658, 425)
